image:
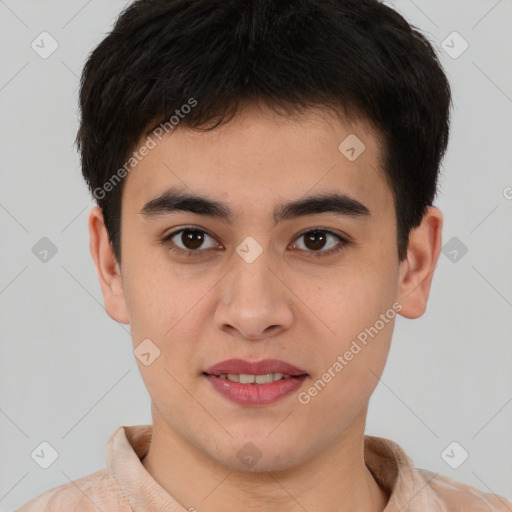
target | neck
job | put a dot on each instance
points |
(336, 480)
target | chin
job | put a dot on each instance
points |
(263, 465)
(258, 456)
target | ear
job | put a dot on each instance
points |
(109, 272)
(417, 270)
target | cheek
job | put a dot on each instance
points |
(356, 300)
(360, 315)
(352, 359)
(159, 296)
(165, 308)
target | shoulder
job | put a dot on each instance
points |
(460, 497)
(97, 491)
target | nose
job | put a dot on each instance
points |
(255, 302)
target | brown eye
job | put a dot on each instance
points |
(189, 241)
(192, 239)
(317, 241)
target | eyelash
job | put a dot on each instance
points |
(198, 253)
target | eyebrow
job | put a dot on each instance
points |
(175, 200)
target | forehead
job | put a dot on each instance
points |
(259, 158)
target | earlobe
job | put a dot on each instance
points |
(417, 270)
(109, 272)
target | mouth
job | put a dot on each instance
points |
(247, 378)
(255, 383)
(248, 369)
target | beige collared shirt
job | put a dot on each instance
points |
(125, 485)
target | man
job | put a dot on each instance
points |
(265, 174)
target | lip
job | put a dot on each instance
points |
(255, 368)
(255, 395)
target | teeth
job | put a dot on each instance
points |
(244, 378)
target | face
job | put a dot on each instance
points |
(316, 286)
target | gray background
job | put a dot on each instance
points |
(67, 372)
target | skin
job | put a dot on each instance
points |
(287, 304)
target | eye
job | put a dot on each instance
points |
(191, 240)
(188, 241)
(317, 239)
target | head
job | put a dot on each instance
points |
(280, 130)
